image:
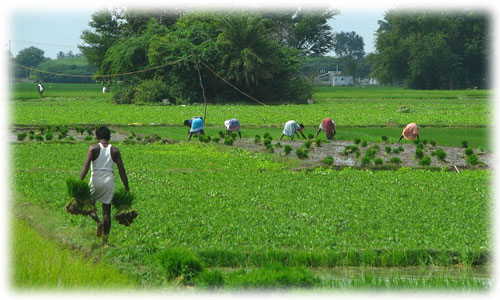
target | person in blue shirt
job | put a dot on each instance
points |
(196, 126)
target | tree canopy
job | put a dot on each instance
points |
(433, 50)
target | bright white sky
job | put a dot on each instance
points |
(56, 30)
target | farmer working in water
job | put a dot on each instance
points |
(329, 127)
(196, 125)
(232, 125)
(410, 132)
(291, 128)
(101, 157)
(41, 89)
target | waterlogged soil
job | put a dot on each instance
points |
(455, 157)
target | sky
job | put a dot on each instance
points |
(55, 30)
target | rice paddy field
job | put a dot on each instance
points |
(227, 217)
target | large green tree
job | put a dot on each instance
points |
(28, 57)
(349, 47)
(433, 50)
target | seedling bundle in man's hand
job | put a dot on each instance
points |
(122, 201)
(81, 201)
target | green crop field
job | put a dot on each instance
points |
(236, 219)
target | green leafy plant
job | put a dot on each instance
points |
(395, 160)
(22, 136)
(256, 139)
(228, 141)
(122, 202)
(401, 149)
(425, 161)
(179, 263)
(473, 160)
(307, 144)
(318, 142)
(287, 149)
(49, 136)
(357, 141)
(384, 139)
(465, 144)
(301, 153)
(365, 160)
(469, 151)
(433, 143)
(39, 137)
(378, 161)
(419, 153)
(328, 160)
(364, 144)
(395, 151)
(440, 154)
(310, 136)
(388, 149)
(81, 199)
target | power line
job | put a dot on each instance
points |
(46, 44)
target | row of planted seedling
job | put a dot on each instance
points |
(48, 133)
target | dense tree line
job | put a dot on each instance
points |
(260, 53)
(432, 50)
(66, 63)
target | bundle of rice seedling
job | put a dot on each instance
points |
(81, 201)
(122, 201)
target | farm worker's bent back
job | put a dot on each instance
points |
(329, 127)
(291, 128)
(410, 132)
(232, 125)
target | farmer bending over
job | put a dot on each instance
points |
(101, 158)
(41, 89)
(232, 125)
(329, 127)
(291, 128)
(410, 132)
(196, 125)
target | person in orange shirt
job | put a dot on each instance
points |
(410, 132)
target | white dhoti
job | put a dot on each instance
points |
(102, 186)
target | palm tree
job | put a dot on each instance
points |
(247, 49)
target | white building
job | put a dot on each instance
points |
(342, 80)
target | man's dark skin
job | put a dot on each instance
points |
(92, 155)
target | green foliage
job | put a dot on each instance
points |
(122, 199)
(307, 144)
(150, 90)
(357, 141)
(210, 279)
(401, 149)
(433, 143)
(370, 153)
(287, 149)
(395, 160)
(266, 135)
(469, 151)
(301, 153)
(22, 136)
(419, 153)
(328, 160)
(318, 142)
(384, 139)
(256, 139)
(378, 161)
(364, 144)
(228, 141)
(71, 65)
(78, 189)
(39, 137)
(274, 276)
(473, 160)
(423, 48)
(124, 94)
(365, 160)
(215, 139)
(440, 154)
(395, 151)
(425, 161)
(49, 136)
(388, 149)
(465, 144)
(179, 263)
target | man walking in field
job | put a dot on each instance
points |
(196, 126)
(101, 158)
(41, 89)
(329, 127)
(232, 125)
(410, 132)
(291, 128)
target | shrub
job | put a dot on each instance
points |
(378, 161)
(301, 153)
(469, 151)
(370, 153)
(228, 141)
(328, 160)
(357, 141)
(425, 161)
(364, 144)
(22, 136)
(257, 139)
(440, 154)
(307, 144)
(124, 94)
(151, 90)
(287, 149)
(388, 149)
(419, 153)
(179, 262)
(365, 160)
(473, 159)
(210, 279)
(465, 144)
(395, 160)
(49, 136)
